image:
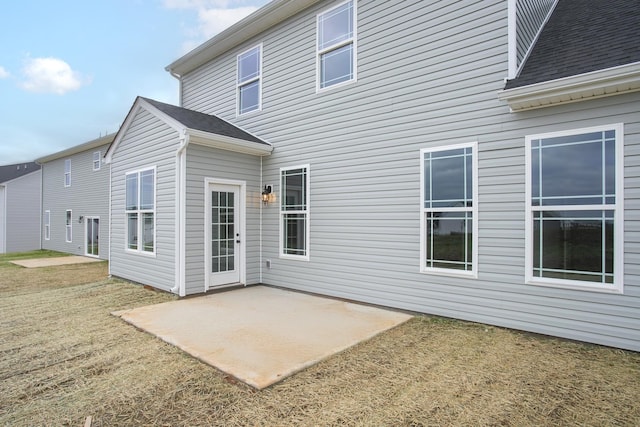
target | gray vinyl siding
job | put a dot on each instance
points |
(88, 196)
(148, 142)
(530, 15)
(428, 75)
(22, 210)
(203, 162)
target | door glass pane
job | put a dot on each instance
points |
(222, 232)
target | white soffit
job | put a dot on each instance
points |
(597, 84)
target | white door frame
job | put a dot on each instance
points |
(86, 235)
(240, 258)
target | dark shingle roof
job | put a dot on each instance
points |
(9, 172)
(204, 122)
(583, 36)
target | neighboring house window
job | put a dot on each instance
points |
(47, 225)
(336, 48)
(249, 80)
(294, 212)
(574, 228)
(140, 210)
(69, 227)
(96, 161)
(67, 173)
(449, 231)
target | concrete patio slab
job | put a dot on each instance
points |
(49, 262)
(260, 334)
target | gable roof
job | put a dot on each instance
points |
(200, 128)
(90, 145)
(587, 49)
(581, 37)
(205, 122)
(11, 172)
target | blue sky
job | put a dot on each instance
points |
(71, 69)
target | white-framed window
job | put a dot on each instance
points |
(449, 210)
(336, 45)
(249, 80)
(140, 202)
(47, 225)
(294, 212)
(574, 216)
(69, 226)
(96, 161)
(67, 173)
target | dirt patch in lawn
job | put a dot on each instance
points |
(64, 357)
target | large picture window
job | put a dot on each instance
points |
(449, 210)
(575, 207)
(336, 48)
(249, 89)
(140, 210)
(294, 212)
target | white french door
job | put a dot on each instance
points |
(225, 257)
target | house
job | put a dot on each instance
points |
(19, 207)
(75, 199)
(475, 160)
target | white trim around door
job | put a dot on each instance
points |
(92, 236)
(224, 231)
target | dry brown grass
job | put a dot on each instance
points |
(64, 357)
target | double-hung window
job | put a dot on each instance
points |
(96, 161)
(67, 173)
(574, 225)
(449, 230)
(140, 210)
(68, 226)
(336, 45)
(47, 225)
(294, 212)
(249, 85)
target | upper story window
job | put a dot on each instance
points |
(140, 196)
(96, 161)
(336, 48)
(574, 226)
(449, 237)
(67, 173)
(294, 212)
(249, 92)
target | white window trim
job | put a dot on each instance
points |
(618, 207)
(474, 212)
(68, 228)
(140, 212)
(67, 174)
(96, 161)
(353, 40)
(47, 225)
(307, 212)
(258, 78)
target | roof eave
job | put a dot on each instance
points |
(107, 139)
(228, 143)
(259, 21)
(596, 84)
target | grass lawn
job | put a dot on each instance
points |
(64, 358)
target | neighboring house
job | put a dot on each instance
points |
(75, 199)
(444, 157)
(19, 207)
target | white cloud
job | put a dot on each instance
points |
(51, 75)
(213, 17)
(3, 73)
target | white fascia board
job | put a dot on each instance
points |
(259, 21)
(597, 84)
(228, 143)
